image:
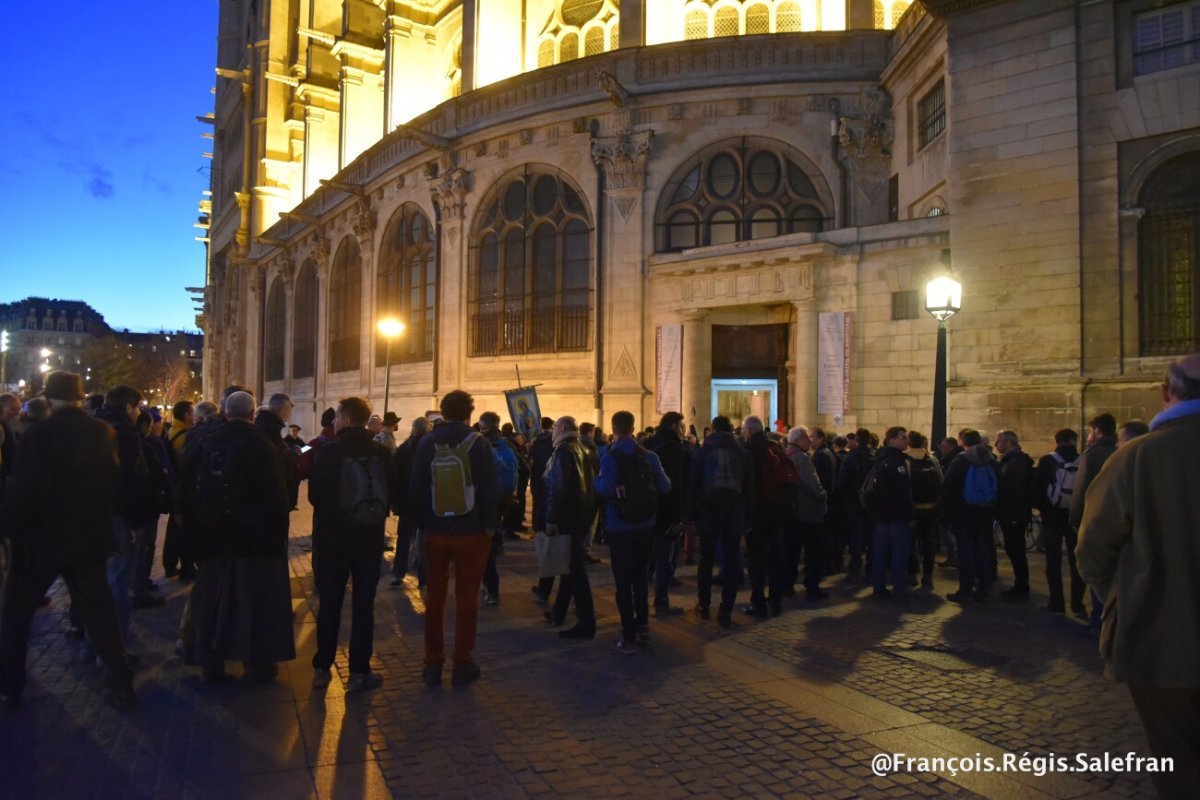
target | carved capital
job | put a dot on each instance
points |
(623, 158)
(448, 185)
(362, 222)
(320, 252)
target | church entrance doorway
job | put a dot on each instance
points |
(749, 372)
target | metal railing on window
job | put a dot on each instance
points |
(1169, 284)
(537, 327)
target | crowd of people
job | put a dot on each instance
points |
(87, 479)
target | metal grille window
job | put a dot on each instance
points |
(531, 269)
(1169, 259)
(931, 114)
(407, 284)
(905, 305)
(304, 323)
(695, 24)
(345, 307)
(593, 41)
(787, 18)
(1166, 38)
(725, 22)
(739, 192)
(758, 19)
(273, 333)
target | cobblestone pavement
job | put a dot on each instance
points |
(795, 706)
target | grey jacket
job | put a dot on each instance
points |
(813, 500)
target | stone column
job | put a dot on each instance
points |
(804, 362)
(697, 367)
(448, 187)
(470, 27)
(321, 257)
(860, 14)
(620, 301)
(287, 272)
(632, 23)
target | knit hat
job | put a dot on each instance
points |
(327, 417)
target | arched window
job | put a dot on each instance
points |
(593, 41)
(787, 18)
(750, 189)
(758, 19)
(531, 268)
(695, 24)
(546, 53)
(304, 322)
(1169, 259)
(570, 48)
(725, 22)
(889, 12)
(345, 307)
(273, 333)
(407, 284)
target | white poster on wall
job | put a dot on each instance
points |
(668, 371)
(833, 374)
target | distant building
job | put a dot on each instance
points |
(48, 333)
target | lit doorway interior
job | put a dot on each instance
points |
(740, 397)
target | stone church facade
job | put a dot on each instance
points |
(657, 205)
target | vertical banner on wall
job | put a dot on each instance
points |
(668, 370)
(834, 353)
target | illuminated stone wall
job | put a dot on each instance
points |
(1021, 187)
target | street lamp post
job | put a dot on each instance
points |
(943, 299)
(390, 329)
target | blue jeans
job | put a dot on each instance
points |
(630, 552)
(892, 540)
(119, 571)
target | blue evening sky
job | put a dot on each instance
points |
(101, 164)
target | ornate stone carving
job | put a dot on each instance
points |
(869, 136)
(617, 93)
(448, 184)
(623, 158)
(625, 206)
(624, 369)
(480, 149)
(320, 252)
(526, 136)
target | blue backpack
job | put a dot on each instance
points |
(506, 468)
(980, 489)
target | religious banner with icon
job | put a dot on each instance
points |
(524, 411)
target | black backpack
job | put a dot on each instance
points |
(213, 484)
(363, 492)
(637, 490)
(926, 480)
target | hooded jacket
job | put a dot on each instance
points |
(331, 529)
(957, 511)
(609, 479)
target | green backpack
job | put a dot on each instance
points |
(450, 478)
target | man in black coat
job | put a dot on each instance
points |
(406, 528)
(348, 470)
(235, 503)
(541, 449)
(676, 457)
(891, 511)
(270, 421)
(1054, 482)
(134, 506)
(971, 516)
(849, 480)
(58, 512)
(1015, 509)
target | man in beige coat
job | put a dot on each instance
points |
(1139, 546)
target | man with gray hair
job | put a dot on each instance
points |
(236, 508)
(272, 420)
(571, 504)
(1137, 549)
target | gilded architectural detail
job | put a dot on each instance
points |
(623, 158)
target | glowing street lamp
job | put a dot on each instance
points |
(943, 299)
(390, 329)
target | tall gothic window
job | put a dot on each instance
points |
(304, 322)
(742, 190)
(1169, 259)
(345, 307)
(531, 268)
(577, 28)
(273, 332)
(407, 284)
